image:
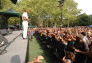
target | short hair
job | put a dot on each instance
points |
(83, 33)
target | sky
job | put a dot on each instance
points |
(85, 5)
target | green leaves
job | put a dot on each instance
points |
(46, 12)
(83, 19)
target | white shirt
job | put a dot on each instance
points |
(25, 14)
(86, 40)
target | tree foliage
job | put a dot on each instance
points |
(6, 4)
(70, 11)
(47, 12)
(13, 20)
(84, 19)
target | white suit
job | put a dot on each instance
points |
(25, 24)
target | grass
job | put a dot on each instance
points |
(35, 49)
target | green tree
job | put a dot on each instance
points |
(39, 8)
(90, 19)
(83, 19)
(70, 12)
(6, 4)
(13, 20)
(46, 12)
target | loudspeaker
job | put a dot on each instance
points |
(14, 1)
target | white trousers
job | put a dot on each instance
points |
(25, 28)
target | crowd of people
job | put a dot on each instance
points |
(69, 45)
